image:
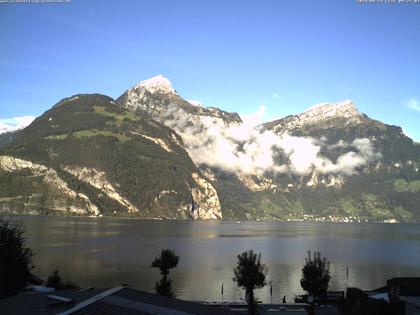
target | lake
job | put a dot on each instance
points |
(106, 252)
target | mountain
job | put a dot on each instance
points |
(10, 127)
(330, 162)
(7, 137)
(157, 99)
(153, 154)
(88, 156)
(350, 167)
(343, 122)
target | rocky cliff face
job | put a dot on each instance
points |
(98, 179)
(34, 188)
(205, 200)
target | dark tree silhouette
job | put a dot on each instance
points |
(16, 260)
(315, 274)
(165, 261)
(250, 274)
(164, 287)
(55, 281)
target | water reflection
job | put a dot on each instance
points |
(109, 252)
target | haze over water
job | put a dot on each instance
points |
(109, 252)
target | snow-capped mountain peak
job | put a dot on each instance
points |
(157, 98)
(324, 113)
(157, 83)
(345, 109)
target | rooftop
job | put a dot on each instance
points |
(118, 300)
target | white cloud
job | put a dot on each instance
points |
(275, 95)
(195, 103)
(302, 153)
(413, 103)
(348, 163)
(15, 123)
(247, 149)
(256, 118)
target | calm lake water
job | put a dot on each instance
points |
(109, 252)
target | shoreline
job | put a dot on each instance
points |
(318, 220)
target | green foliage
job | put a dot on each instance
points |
(94, 133)
(250, 274)
(298, 207)
(402, 214)
(414, 186)
(315, 274)
(90, 133)
(16, 260)
(349, 206)
(400, 185)
(119, 118)
(56, 137)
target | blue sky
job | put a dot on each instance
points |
(236, 55)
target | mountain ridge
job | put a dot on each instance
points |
(112, 157)
(330, 162)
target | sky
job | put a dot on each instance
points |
(238, 55)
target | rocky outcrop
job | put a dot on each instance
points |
(257, 183)
(98, 180)
(205, 201)
(194, 125)
(157, 98)
(319, 114)
(38, 188)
